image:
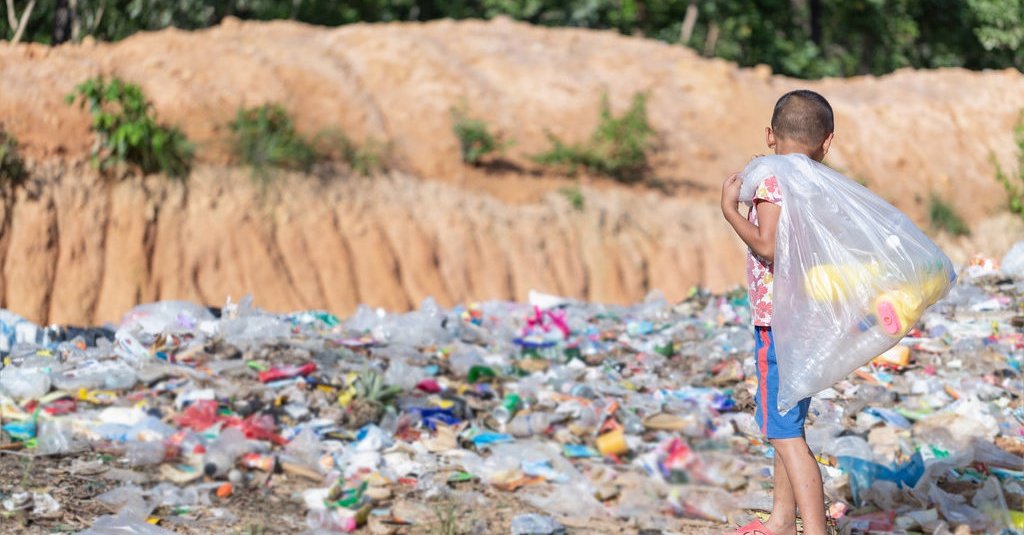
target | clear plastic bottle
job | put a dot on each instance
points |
(529, 424)
(630, 421)
(145, 453)
(332, 520)
(220, 457)
(502, 414)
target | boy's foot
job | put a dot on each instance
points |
(756, 527)
(780, 528)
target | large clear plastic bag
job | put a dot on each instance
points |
(852, 274)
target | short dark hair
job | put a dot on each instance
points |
(803, 116)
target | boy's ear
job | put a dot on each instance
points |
(827, 143)
(770, 137)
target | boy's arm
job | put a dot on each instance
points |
(761, 237)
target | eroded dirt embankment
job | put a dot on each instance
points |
(79, 250)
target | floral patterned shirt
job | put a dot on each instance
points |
(760, 272)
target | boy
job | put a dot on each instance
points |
(802, 123)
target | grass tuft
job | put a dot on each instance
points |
(265, 138)
(945, 219)
(12, 167)
(475, 138)
(1014, 184)
(618, 147)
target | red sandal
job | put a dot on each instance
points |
(755, 527)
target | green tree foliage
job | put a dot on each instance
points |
(804, 38)
(617, 148)
(128, 132)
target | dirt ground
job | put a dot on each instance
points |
(276, 507)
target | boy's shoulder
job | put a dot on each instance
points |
(768, 189)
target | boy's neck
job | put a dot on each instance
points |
(785, 146)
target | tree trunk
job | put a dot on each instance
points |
(712, 41)
(12, 16)
(23, 22)
(867, 56)
(641, 19)
(689, 21)
(816, 21)
(61, 23)
(76, 22)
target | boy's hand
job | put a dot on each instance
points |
(731, 192)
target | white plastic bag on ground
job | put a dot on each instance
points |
(167, 316)
(852, 274)
(1013, 262)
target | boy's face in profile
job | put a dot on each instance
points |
(782, 145)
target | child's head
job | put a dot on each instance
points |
(802, 123)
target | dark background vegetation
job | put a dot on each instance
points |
(803, 38)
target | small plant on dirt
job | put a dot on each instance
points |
(127, 129)
(12, 167)
(264, 137)
(574, 195)
(617, 148)
(447, 516)
(368, 159)
(944, 218)
(371, 399)
(475, 139)
(1014, 184)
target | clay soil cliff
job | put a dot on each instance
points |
(77, 248)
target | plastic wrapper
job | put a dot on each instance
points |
(852, 274)
(123, 524)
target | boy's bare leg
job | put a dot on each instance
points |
(805, 481)
(783, 519)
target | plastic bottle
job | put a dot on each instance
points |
(630, 422)
(114, 375)
(534, 524)
(338, 520)
(53, 438)
(527, 425)
(145, 453)
(220, 457)
(507, 410)
(583, 391)
(129, 348)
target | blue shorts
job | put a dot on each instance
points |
(766, 412)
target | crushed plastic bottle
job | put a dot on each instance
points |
(222, 454)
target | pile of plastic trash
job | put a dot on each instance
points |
(639, 415)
